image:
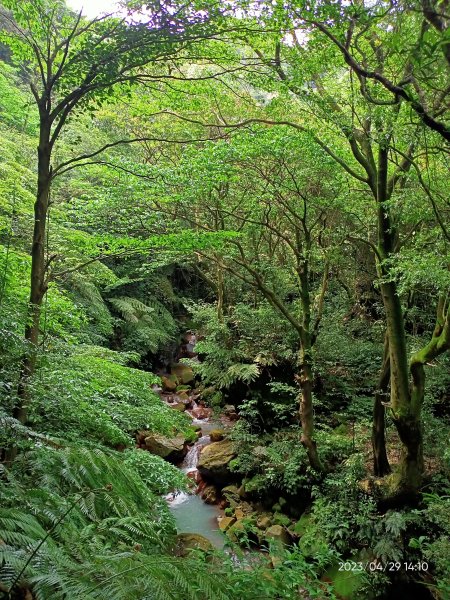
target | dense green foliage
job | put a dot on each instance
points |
(272, 177)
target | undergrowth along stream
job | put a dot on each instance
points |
(266, 175)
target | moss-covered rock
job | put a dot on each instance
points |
(191, 541)
(231, 493)
(280, 519)
(245, 510)
(226, 522)
(277, 533)
(237, 532)
(169, 383)
(184, 373)
(214, 461)
(209, 494)
(302, 524)
(183, 397)
(264, 521)
(217, 435)
(239, 513)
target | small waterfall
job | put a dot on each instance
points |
(190, 461)
(176, 498)
(189, 464)
(192, 515)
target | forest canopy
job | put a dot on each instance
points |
(231, 214)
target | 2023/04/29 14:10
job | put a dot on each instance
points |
(374, 565)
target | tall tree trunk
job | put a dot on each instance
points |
(406, 419)
(306, 369)
(37, 283)
(412, 464)
(220, 293)
(381, 465)
(306, 403)
(406, 416)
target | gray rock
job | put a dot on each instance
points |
(172, 449)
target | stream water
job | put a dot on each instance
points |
(191, 514)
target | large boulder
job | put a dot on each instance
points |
(183, 373)
(169, 383)
(217, 435)
(214, 461)
(172, 449)
(278, 534)
(226, 522)
(192, 541)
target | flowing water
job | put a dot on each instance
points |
(191, 514)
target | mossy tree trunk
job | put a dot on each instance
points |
(439, 343)
(303, 326)
(306, 377)
(381, 465)
(405, 414)
(220, 292)
(306, 410)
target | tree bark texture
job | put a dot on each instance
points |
(381, 465)
(38, 276)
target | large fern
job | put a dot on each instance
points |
(86, 293)
(146, 326)
(78, 523)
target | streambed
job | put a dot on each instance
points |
(191, 513)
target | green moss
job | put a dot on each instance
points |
(280, 519)
(348, 585)
(302, 524)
